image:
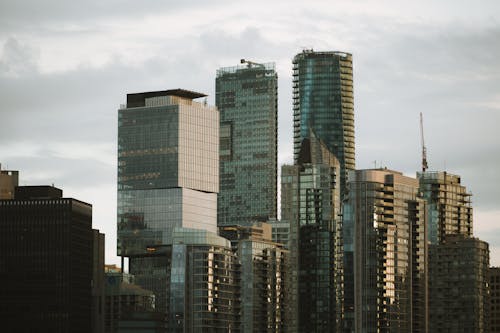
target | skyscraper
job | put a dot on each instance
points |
(168, 179)
(385, 251)
(46, 259)
(311, 203)
(246, 97)
(323, 104)
(168, 170)
(449, 205)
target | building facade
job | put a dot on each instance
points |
(203, 284)
(98, 282)
(494, 285)
(449, 205)
(9, 179)
(281, 232)
(458, 285)
(168, 170)
(247, 98)
(46, 259)
(263, 269)
(123, 297)
(385, 250)
(323, 103)
(311, 202)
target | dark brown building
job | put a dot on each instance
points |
(98, 288)
(458, 285)
(46, 246)
(495, 299)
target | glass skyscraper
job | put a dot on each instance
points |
(323, 102)
(246, 97)
(168, 169)
(310, 201)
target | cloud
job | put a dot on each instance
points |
(18, 59)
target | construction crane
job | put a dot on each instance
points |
(424, 150)
(251, 63)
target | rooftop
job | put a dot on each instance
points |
(137, 99)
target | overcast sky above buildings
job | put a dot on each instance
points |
(65, 68)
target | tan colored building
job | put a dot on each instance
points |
(8, 181)
(385, 250)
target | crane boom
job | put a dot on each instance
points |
(424, 150)
(251, 63)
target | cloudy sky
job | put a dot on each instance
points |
(66, 66)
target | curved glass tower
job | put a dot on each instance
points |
(323, 103)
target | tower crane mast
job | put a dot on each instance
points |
(424, 150)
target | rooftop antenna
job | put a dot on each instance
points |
(424, 150)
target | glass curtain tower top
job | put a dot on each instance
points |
(323, 103)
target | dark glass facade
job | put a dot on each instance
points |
(203, 285)
(311, 202)
(46, 247)
(449, 205)
(323, 103)
(385, 250)
(494, 284)
(124, 298)
(246, 97)
(459, 299)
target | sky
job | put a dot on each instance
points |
(66, 66)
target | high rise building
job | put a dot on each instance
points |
(263, 269)
(494, 278)
(9, 179)
(458, 285)
(98, 292)
(46, 259)
(246, 97)
(168, 179)
(385, 251)
(311, 203)
(168, 169)
(323, 103)
(449, 205)
(203, 285)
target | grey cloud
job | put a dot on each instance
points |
(18, 59)
(28, 14)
